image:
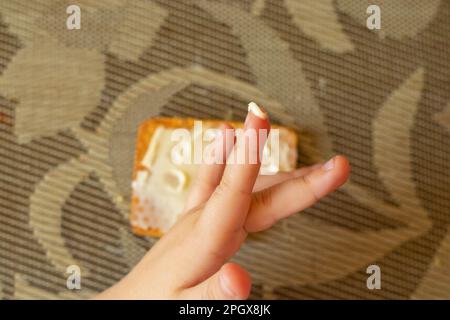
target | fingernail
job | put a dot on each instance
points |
(257, 110)
(224, 283)
(329, 165)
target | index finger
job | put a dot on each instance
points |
(210, 174)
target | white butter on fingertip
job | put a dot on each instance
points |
(256, 110)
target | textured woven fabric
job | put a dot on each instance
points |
(71, 101)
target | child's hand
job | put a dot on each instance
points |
(190, 261)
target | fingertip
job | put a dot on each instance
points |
(226, 139)
(342, 168)
(256, 121)
(330, 176)
(235, 281)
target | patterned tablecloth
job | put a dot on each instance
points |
(71, 100)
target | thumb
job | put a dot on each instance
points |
(231, 282)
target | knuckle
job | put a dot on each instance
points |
(262, 213)
(226, 187)
(306, 183)
(264, 198)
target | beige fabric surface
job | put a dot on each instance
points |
(71, 101)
